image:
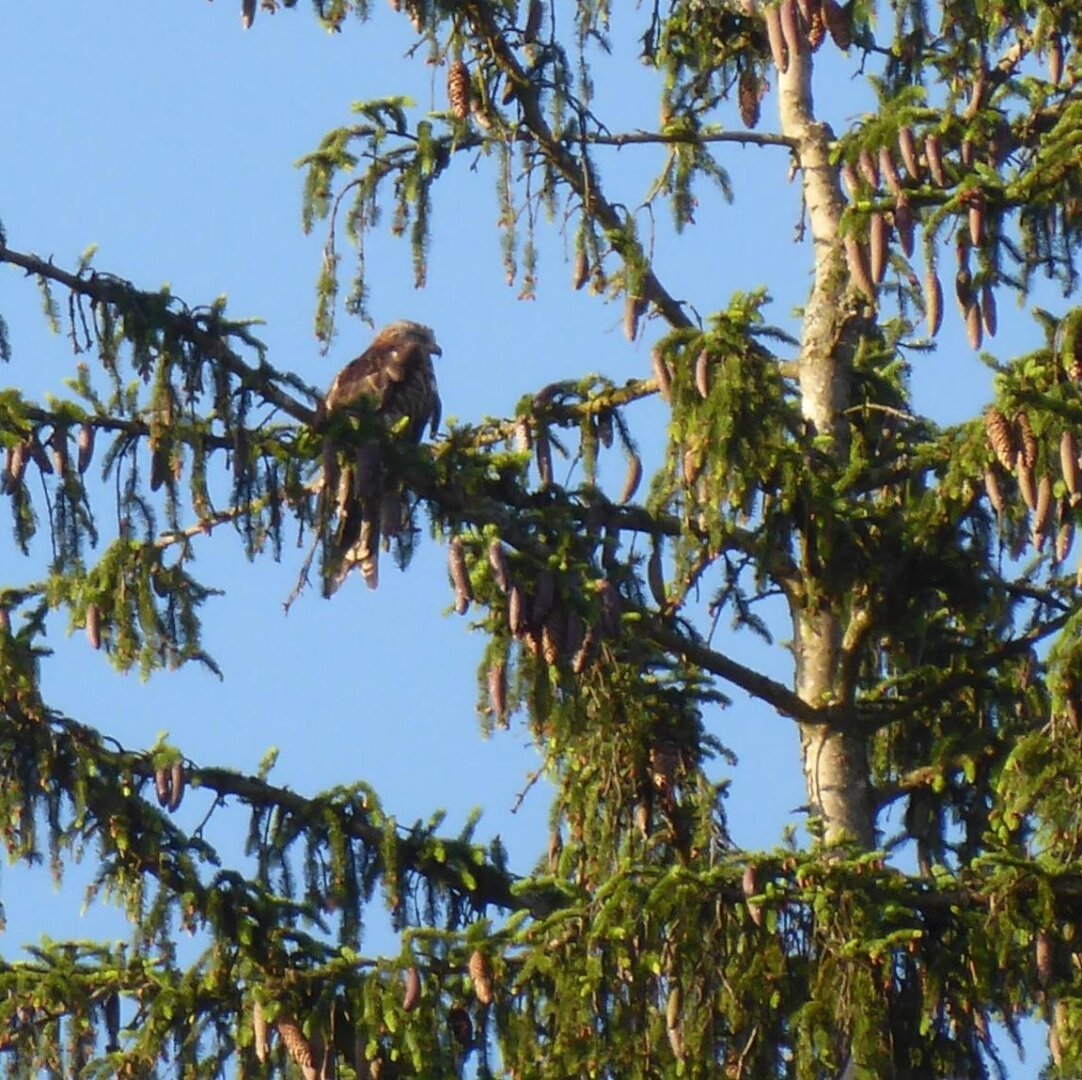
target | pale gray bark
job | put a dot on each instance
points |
(835, 760)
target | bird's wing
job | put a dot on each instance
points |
(373, 374)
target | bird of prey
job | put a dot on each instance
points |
(396, 376)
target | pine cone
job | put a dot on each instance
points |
(516, 611)
(934, 153)
(933, 303)
(458, 89)
(889, 172)
(907, 147)
(460, 577)
(177, 781)
(481, 976)
(497, 559)
(877, 242)
(1068, 460)
(859, 273)
(1000, 437)
(161, 786)
(993, 490)
(1055, 60)
(497, 692)
(1025, 440)
(702, 374)
(247, 13)
(16, 465)
(85, 447)
(634, 309)
(868, 168)
(632, 479)
(298, 1046)
(790, 27)
(1064, 536)
(661, 374)
(976, 217)
(1027, 485)
(748, 97)
(988, 309)
(93, 625)
(1045, 958)
(973, 325)
(776, 37)
(581, 273)
(411, 993)
(1041, 513)
(749, 884)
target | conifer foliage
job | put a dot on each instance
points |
(929, 577)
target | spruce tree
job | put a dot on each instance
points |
(928, 573)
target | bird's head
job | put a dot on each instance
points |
(414, 332)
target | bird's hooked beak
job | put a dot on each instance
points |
(436, 350)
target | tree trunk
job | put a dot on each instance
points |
(835, 761)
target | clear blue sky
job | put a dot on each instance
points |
(167, 135)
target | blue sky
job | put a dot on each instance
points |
(168, 136)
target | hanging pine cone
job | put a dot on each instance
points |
(497, 692)
(857, 259)
(543, 454)
(1000, 437)
(933, 302)
(161, 785)
(702, 374)
(585, 652)
(790, 27)
(1027, 484)
(535, 12)
(458, 89)
(177, 782)
(460, 577)
(247, 13)
(749, 884)
(878, 250)
(868, 168)
(1042, 512)
(516, 611)
(632, 479)
(889, 172)
(655, 577)
(93, 625)
(993, 490)
(748, 96)
(16, 466)
(299, 1048)
(661, 374)
(988, 309)
(1068, 460)
(1045, 958)
(1064, 535)
(481, 977)
(1025, 440)
(934, 153)
(634, 309)
(552, 638)
(776, 38)
(907, 147)
(497, 560)
(411, 992)
(974, 324)
(85, 447)
(581, 272)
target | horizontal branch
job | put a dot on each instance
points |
(103, 289)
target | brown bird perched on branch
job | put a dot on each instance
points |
(396, 375)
